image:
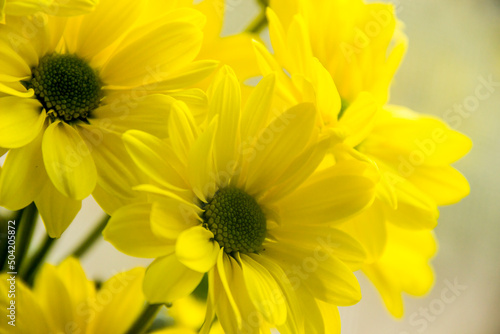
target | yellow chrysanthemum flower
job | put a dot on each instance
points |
(69, 88)
(361, 45)
(237, 201)
(50, 7)
(412, 152)
(63, 300)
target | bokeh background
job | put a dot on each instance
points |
(454, 45)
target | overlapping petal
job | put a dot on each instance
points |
(129, 230)
(68, 161)
(167, 279)
(197, 249)
(20, 121)
(57, 211)
(23, 174)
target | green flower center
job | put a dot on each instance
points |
(65, 84)
(236, 220)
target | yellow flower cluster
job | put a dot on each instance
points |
(267, 197)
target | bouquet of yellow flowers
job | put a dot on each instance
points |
(259, 170)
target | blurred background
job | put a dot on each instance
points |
(454, 47)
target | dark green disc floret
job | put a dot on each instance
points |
(236, 220)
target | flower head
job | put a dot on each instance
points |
(64, 299)
(361, 45)
(68, 89)
(349, 81)
(236, 199)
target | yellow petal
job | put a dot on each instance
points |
(29, 317)
(328, 199)
(302, 167)
(185, 76)
(73, 277)
(227, 267)
(408, 140)
(24, 8)
(415, 209)
(315, 322)
(99, 29)
(2, 11)
(255, 115)
(124, 302)
(57, 211)
(328, 99)
(210, 304)
(290, 132)
(170, 217)
(159, 11)
(16, 89)
(51, 7)
(225, 102)
(131, 109)
(68, 161)
(167, 279)
(264, 291)
(52, 294)
(226, 313)
(197, 249)
(195, 99)
(130, 232)
(235, 51)
(213, 10)
(445, 185)
(295, 314)
(233, 304)
(369, 227)
(403, 267)
(182, 130)
(299, 46)
(21, 120)
(181, 195)
(109, 203)
(201, 166)
(331, 317)
(267, 63)
(286, 10)
(116, 172)
(325, 240)
(278, 37)
(358, 119)
(73, 7)
(23, 175)
(155, 158)
(326, 277)
(13, 65)
(152, 57)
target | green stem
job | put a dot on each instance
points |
(145, 320)
(28, 272)
(91, 238)
(25, 232)
(259, 23)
